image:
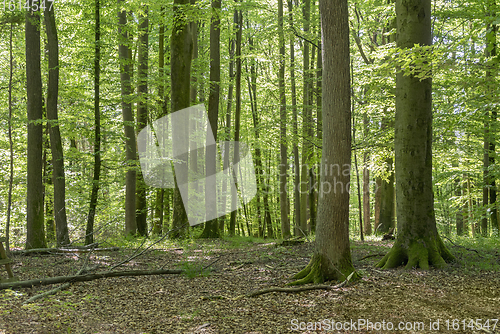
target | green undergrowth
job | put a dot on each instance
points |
(475, 255)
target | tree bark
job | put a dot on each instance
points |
(212, 226)
(181, 48)
(89, 233)
(296, 162)
(237, 114)
(285, 223)
(141, 213)
(332, 257)
(128, 120)
(35, 237)
(418, 243)
(307, 126)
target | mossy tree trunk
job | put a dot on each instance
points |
(418, 243)
(332, 257)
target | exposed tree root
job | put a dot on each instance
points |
(418, 253)
(321, 269)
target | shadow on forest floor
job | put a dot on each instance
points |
(202, 299)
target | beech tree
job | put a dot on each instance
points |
(418, 243)
(332, 257)
(35, 237)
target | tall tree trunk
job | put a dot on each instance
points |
(162, 106)
(418, 243)
(128, 120)
(234, 197)
(56, 148)
(11, 144)
(332, 257)
(285, 223)
(212, 226)
(307, 125)
(486, 177)
(252, 91)
(296, 162)
(89, 234)
(366, 185)
(232, 45)
(142, 117)
(35, 237)
(181, 48)
(491, 73)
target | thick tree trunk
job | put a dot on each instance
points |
(128, 120)
(89, 234)
(418, 243)
(35, 237)
(212, 226)
(181, 48)
(142, 118)
(332, 256)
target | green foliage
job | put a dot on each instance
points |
(192, 269)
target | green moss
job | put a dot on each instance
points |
(418, 253)
(321, 269)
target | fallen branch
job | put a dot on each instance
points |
(469, 249)
(62, 250)
(371, 255)
(87, 277)
(293, 290)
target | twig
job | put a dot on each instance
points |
(134, 255)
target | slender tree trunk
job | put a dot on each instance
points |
(296, 162)
(128, 120)
(226, 169)
(234, 197)
(307, 125)
(142, 118)
(212, 226)
(89, 234)
(486, 161)
(332, 257)
(55, 135)
(160, 193)
(35, 237)
(11, 145)
(285, 223)
(418, 243)
(491, 73)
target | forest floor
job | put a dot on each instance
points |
(202, 299)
